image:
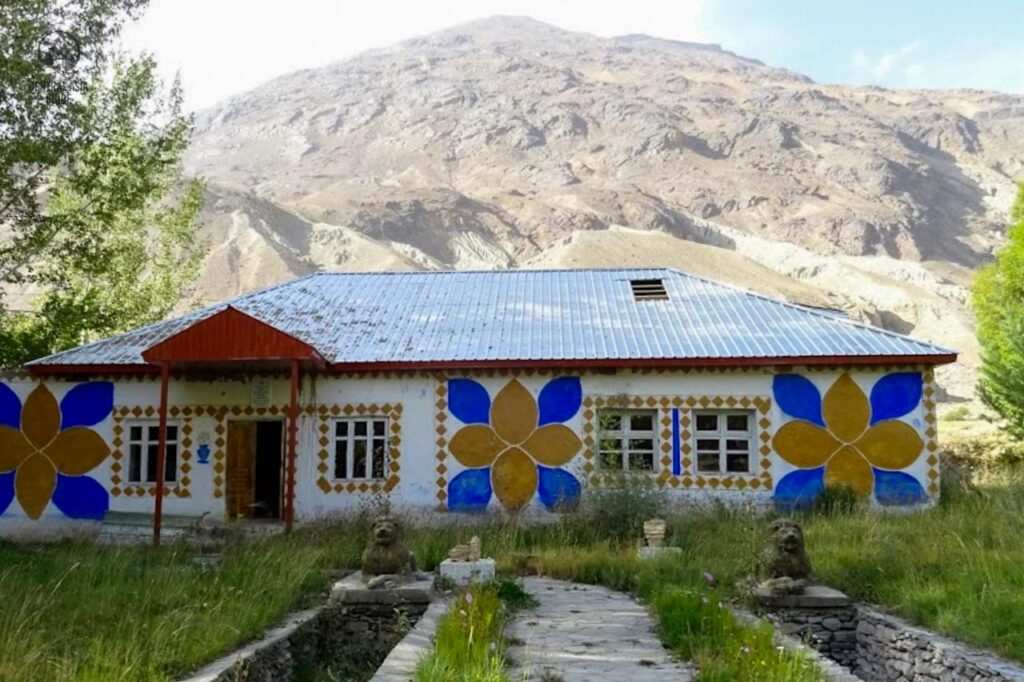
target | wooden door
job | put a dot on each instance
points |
(241, 481)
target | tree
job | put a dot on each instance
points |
(998, 300)
(99, 219)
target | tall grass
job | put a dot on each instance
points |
(468, 643)
(82, 612)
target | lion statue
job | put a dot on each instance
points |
(785, 567)
(386, 559)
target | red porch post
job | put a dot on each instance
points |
(161, 452)
(293, 419)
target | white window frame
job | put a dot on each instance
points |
(351, 440)
(723, 434)
(145, 443)
(626, 435)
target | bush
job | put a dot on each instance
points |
(837, 500)
(616, 511)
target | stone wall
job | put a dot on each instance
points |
(832, 631)
(891, 650)
(349, 636)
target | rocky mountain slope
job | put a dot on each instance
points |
(511, 143)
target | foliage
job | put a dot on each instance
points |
(105, 229)
(998, 300)
(837, 499)
(616, 509)
(82, 612)
(699, 627)
(467, 642)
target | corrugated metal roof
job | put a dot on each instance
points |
(521, 315)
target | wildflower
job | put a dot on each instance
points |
(709, 577)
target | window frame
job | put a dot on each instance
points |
(351, 439)
(625, 435)
(174, 449)
(723, 434)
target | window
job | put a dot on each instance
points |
(143, 443)
(648, 289)
(626, 440)
(360, 448)
(724, 441)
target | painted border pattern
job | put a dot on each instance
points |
(665, 405)
(441, 391)
(931, 433)
(393, 412)
(119, 486)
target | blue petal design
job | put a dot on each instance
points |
(798, 397)
(558, 489)
(897, 489)
(559, 400)
(86, 404)
(798, 489)
(895, 394)
(80, 497)
(470, 491)
(10, 408)
(469, 401)
(6, 490)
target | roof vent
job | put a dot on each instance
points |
(648, 289)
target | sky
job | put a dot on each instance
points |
(222, 47)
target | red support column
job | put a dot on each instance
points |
(161, 452)
(293, 425)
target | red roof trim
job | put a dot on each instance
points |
(856, 360)
(230, 335)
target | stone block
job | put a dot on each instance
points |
(658, 552)
(465, 572)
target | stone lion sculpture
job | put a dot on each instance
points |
(386, 559)
(785, 567)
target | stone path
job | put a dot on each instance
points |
(584, 633)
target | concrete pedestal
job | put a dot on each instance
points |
(463, 573)
(658, 552)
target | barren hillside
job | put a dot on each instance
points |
(510, 143)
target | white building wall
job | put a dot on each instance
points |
(418, 403)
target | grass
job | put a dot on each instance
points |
(468, 643)
(80, 612)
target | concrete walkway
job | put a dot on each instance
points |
(583, 633)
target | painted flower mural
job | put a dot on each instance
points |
(513, 447)
(46, 449)
(847, 439)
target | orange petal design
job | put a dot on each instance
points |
(476, 445)
(14, 448)
(40, 417)
(848, 468)
(553, 445)
(846, 409)
(514, 413)
(804, 444)
(34, 482)
(514, 479)
(77, 451)
(891, 445)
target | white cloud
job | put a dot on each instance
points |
(859, 58)
(222, 47)
(887, 61)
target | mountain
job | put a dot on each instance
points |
(507, 142)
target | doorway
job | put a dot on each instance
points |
(254, 469)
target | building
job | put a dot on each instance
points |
(464, 392)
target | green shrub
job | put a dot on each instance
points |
(837, 500)
(615, 511)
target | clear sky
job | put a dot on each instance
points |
(222, 47)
